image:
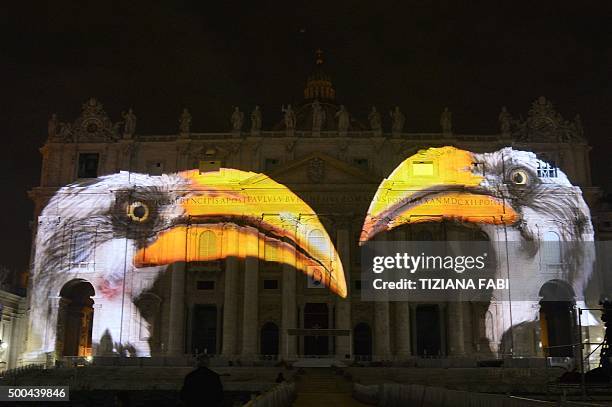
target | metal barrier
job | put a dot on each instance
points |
(282, 395)
(399, 395)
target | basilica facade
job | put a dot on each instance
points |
(259, 307)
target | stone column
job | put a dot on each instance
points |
(230, 307)
(176, 325)
(382, 334)
(343, 305)
(456, 346)
(402, 329)
(289, 307)
(250, 306)
(289, 314)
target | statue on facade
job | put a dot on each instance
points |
(318, 116)
(343, 119)
(256, 120)
(397, 120)
(237, 119)
(375, 121)
(504, 119)
(53, 126)
(129, 126)
(289, 117)
(65, 132)
(185, 121)
(446, 121)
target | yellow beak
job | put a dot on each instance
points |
(234, 213)
(434, 185)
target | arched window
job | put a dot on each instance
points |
(362, 339)
(551, 253)
(208, 245)
(318, 240)
(269, 339)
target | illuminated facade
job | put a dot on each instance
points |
(101, 284)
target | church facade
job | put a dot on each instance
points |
(258, 308)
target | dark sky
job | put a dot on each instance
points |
(210, 56)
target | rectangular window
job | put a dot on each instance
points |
(422, 168)
(271, 163)
(270, 284)
(205, 285)
(155, 168)
(362, 163)
(547, 169)
(209, 166)
(88, 165)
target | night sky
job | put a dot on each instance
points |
(210, 56)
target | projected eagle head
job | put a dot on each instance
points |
(512, 195)
(124, 222)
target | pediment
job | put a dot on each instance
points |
(318, 168)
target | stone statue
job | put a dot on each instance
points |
(65, 132)
(289, 117)
(256, 120)
(237, 119)
(504, 121)
(374, 119)
(446, 121)
(397, 120)
(343, 119)
(129, 127)
(53, 126)
(185, 121)
(318, 116)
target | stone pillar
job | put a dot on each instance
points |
(230, 307)
(289, 314)
(456, 346)
(250, 306)
(402, 329)
(382, 328)
(176, 326)
(343, 305)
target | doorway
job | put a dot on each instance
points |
(428, 331)
(75, 319)
(204, 329)
(316, 316)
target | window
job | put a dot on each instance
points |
(422, 168)
(546, 169)
(270, 284)
(208, 246)
(479, 168)
(209, 166)
(155, 168)
(88, 165)
(270, 164)
(552, 251)
(205, 285)
(362, 163)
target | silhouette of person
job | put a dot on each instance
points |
(122, 399)
(280, 378)
(202, 387)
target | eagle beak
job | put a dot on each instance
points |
(233, 213)
(435, 185)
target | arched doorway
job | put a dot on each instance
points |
(269, 339)
(316, 316)
(362, 340)
(557, 318)
(75, 319)
(428, 332)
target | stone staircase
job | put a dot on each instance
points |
(322, 387)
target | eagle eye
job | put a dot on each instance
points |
(519, 177)
(138, 211)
